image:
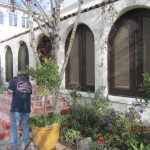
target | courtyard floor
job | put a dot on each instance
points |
(3, 144)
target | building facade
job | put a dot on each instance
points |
(12, 21)
(109, 55)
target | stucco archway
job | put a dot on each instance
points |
(9, 64)
(23, 56)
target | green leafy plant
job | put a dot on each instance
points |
(41, 121)
(115, 126)
(100, 120)
(46, 74)
(2, 88)
(144, 91)
(71, 135)
(48, 79)
(83, 119)
(139, 146)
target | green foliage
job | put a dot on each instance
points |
(71, 135)
(2, 88)
(76, 98)
(83, 119)
(46, 74)
(41, 120)
(139, 146)
(101, 120)
(144, 91)
(115, 125)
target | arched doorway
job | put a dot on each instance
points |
(9, 64)
(80, 71)
(23, 57)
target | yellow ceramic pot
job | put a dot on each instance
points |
(45, 138)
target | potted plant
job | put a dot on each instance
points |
(45, 127)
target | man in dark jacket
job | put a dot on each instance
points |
(21, 90)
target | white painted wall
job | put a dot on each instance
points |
(7, 31)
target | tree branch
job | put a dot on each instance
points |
(43, 12)
(42, 28)
(32, 33)
(71, 41)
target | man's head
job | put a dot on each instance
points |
(21, 74)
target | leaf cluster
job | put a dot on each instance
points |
(139, 146)
(71, 135)
(144, 90)
(41, 120)
(45, 74)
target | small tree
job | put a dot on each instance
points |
(47, 77)
(49, 24)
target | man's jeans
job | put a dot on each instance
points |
(15, 117)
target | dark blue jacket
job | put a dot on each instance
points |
(22, 90)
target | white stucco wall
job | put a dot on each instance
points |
(7, 31)
(100, 24)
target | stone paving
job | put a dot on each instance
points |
(3, 144)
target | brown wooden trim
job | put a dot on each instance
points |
(81, 31)
(136, 52)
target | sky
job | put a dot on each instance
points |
(64, 3)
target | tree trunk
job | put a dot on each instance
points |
(55, 48)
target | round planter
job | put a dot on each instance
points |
(45, 138)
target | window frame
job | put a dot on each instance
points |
(135, 51)
(81, 31)
(25, 22)
(1, 17)
(13, 20)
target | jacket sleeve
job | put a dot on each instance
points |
(11, 86)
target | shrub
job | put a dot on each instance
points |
(101, 121)
(83, 119)
(2, 88)
(144, 91)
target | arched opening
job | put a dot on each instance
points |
(44, 47)
(9, 64)
(23, 57)
(129, 52)
(80, 71)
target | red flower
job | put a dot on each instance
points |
(101, 140)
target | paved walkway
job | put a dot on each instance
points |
(59, 146)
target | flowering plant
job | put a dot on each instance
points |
(105, 125)
(115, 125)
(100, 144)
(100, 140)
